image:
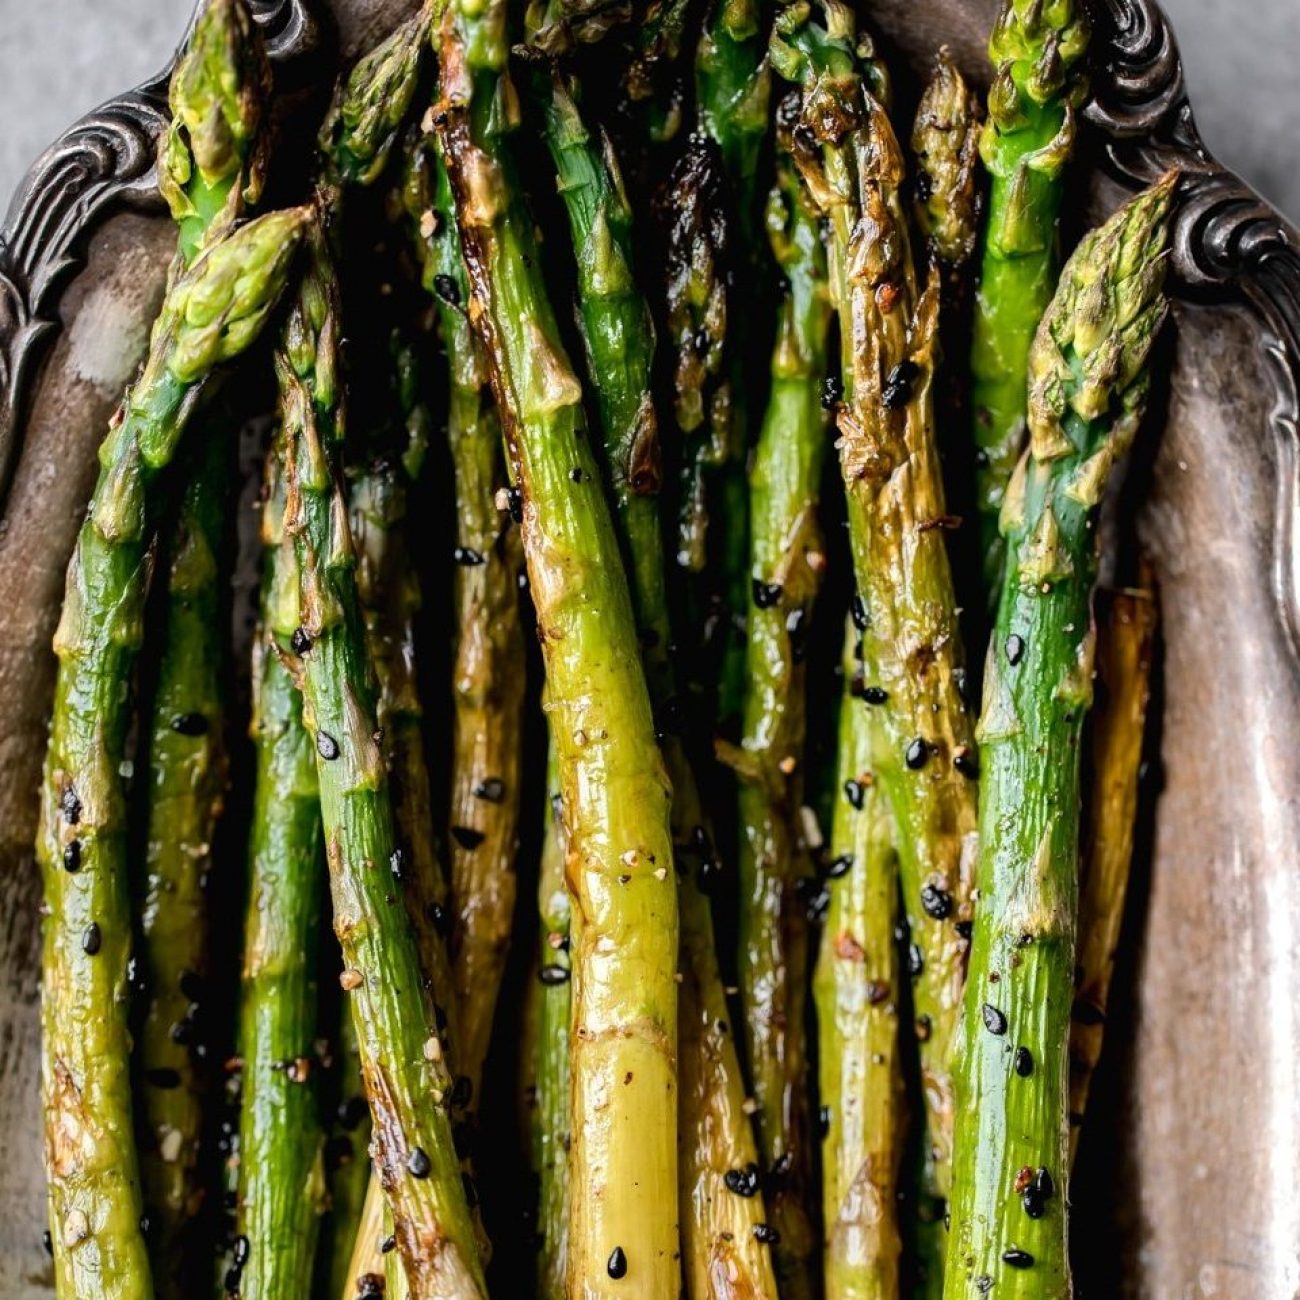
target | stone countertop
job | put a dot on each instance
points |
(1240, 66)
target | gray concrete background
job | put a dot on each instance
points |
(59, 58)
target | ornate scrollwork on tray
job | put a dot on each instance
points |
(104, 162)
(1228, 244)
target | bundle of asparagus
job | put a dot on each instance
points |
(637, 438)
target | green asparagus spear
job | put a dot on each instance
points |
(857, 985)
(281, 1187)
(210, 314)
(616, 799)
(487, 683)
(209, 168)
(1126, 628)
(347, 1169)
(945, 142)
(406, 1078)
(552, 1110)
(905, 605)
(1037, 51)
(786, 561)
(716, 1146)
(1089, 383)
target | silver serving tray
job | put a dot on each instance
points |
(1189, 1179)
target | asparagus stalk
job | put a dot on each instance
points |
(551, 1131)
(622, 1223)
(1037, 52)
(905, 605)
(210, 314)
(210, 167)
(716, 1146)
(857, 985)
(402, 1064)
(786, 561)
(1126, 628)
(347, 1159)
(487, 683)
(1088, 387)
(281, 1176)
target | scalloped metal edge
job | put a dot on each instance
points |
(102, 163)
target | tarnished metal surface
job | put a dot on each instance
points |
(1189, 1176)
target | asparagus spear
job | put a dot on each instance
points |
(402, 1060)
(488, 686)
(857, 985)
(210, 314)
(1126, 627)
(905, 605)
(1037, 51)
(786, 561)
(622, 1222)
(209, 169)
(716, 1146)
(1088, 387)
(281, 1184)
(551, 1125)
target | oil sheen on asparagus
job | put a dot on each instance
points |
(623, 1224)
(1089, 381)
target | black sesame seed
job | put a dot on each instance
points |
(816, 899)
(915, 960)
(1015, 649)
(840, 866)
(493, 789)
(855, 792)
(189, 724)
(577, 474)
(352, 1111)
(553, 974)
(326, 746)
(300, 642)
(1018, 1258)
(447, 289)
(964, 928)
(1024, 1062)
(994, 1021)
(935, 902)
(462, 1090)
(388, 1245)
(616, 1264)
(418, 1164)
(467, 837)
(231, 1281)
(874, 694)
(91, 939)
(860, 619)
(468, 557)
(515, 504)
(241, 1251)
(917, 752)
(1033, 1203)
(48, 1242)
(744, 1182)
(72, 856)
(1043, 1183)
(766, 594)
(766, 1234)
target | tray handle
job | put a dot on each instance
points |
(103, 163)
(1228, 246)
